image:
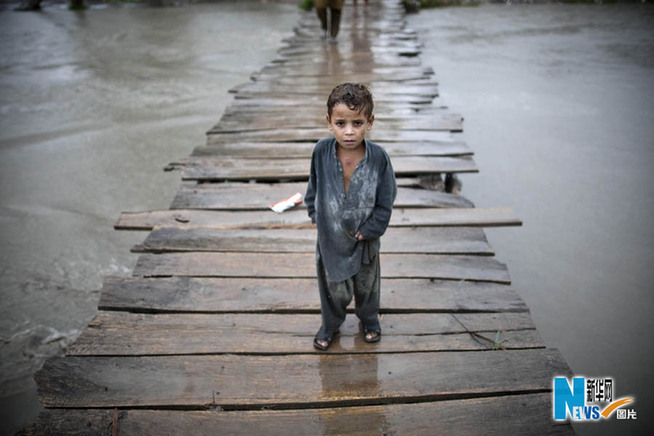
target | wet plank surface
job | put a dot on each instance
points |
(531, 414)
(428, 217)
(128, 334)
(246, 381)
(298, 295)
(223, 169)
(221, 310)
(258, 196)
(283, 150)
(460, 240)
(288, 265)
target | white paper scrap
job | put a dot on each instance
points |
(287, 203)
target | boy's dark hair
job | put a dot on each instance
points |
(353, 95)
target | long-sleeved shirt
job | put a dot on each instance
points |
(366, 209)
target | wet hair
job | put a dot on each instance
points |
(353, 95)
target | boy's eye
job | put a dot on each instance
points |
(358, 123)
(340, 123)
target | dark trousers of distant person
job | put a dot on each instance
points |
(335, 297)
(335, 7)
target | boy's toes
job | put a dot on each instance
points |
(322, 342)
(372, 336)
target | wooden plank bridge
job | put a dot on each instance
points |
(213, 332)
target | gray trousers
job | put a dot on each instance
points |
(335, 297)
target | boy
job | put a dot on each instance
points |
(350, 199)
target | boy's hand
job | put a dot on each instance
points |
(359, 236)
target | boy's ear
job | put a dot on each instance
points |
(370, 121)
(329, 122)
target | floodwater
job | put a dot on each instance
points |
(558, 107)
(558, 102)
(93, 105)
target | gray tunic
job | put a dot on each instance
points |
(366, 208)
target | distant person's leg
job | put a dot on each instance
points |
(335, 7)
(321, 11)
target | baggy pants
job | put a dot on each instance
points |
(364, 286)
(335, 7)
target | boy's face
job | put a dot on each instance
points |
(349, 127)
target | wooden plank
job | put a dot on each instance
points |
(253, 123)
(319, 98)
(399, 48)
(258, 196)
(304, 135)
(383, 112)
(532, 415)
(298, 265)
(401, 73)
(220, 295)
(129, 334)
(210, 168)
(353, 66)
(324, 85)
(273, 104)
(298, 218)
(413, 93)
(447, 240)
(282, 150)
(241, 382)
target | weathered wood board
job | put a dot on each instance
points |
(383, 112)
(292, 265)
(258, 196)
(217, 219)
(324, 85)
(406, 71)
(209, 168)
(282, 150)
(429, 240)
(128, 334)
(532, 415)
(319, 99)
(299, 295)
(241, 382)
(306, 135)
(241, 124)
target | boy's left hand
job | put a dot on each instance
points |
(359, 236)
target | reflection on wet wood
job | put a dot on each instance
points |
(128, 334)
(298, 295)
(299, 381)
(456, 417)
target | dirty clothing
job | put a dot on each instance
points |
(335, 297)
(366, 209)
